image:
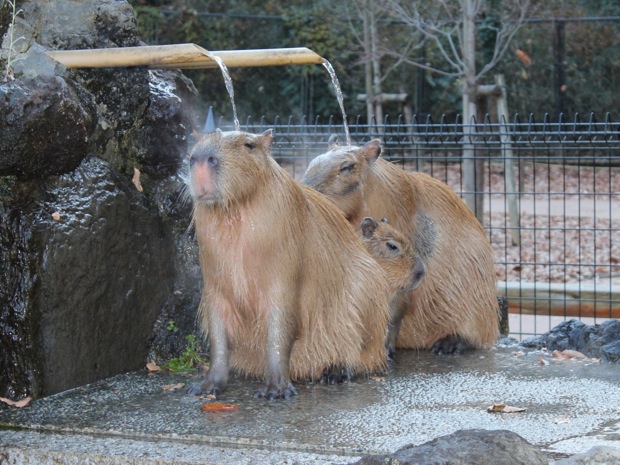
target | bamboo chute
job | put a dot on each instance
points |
(183, 56)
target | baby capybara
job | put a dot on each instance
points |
(455, 306)
(396, 255)
(289, 290)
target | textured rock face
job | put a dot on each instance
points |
(87, 260)
(467, 447)
(47, 124)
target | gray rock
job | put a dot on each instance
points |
(466, 447)
(598, 341)
(599, 455)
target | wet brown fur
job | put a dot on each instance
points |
(283, 271)
(458, 294)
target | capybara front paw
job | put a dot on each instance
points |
(273, 391)
(336, 375)
(205, 387)
(452, 344)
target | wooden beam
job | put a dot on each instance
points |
(557, 299)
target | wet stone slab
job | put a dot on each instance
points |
(571, 405)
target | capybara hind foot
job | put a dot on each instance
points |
(276, 391)
(336, 375)
(451, 344)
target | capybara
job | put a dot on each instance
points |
(396, 255)
(455, 306)
(289, 289)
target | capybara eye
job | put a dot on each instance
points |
(250, 146)
(345, 167)
(213, 161)
(392, 246)
(192, 161)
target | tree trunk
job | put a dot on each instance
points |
(473, 166)
(370, 96)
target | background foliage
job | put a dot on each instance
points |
(590, 62)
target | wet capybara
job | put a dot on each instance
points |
(455, 306)
(395, 254)
(289, 289)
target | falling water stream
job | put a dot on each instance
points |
(231, 92)
(229, 87)
(332, 73)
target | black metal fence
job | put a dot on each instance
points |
(550, 193)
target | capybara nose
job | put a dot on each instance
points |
(211, 158)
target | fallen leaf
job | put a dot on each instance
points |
(574, 354)
(217, 407)
(524, 57)
(16, 403)
(173, 387)
(564, 419)
(152, 366)
(56, 216)
(568, 354)
(377, 378)
(503, 408)
(542, 361)
(136, 179)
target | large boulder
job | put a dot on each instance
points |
(466, 447)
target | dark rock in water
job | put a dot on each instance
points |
(45, 126)
(598, 341)
(466, 447)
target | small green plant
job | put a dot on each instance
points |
(7, 74)
(189, 360)
(172, 327)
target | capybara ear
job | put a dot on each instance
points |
(384, 220)
(369, 226)
(371, 150)
(266, 139)
(332, 142)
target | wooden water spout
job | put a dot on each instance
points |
(183, 56)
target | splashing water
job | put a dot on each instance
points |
(229, 87)
(330, 69)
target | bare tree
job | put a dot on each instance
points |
(371, 40)
(450, 26)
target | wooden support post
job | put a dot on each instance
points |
(510, 190)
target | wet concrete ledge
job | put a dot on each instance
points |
(571, 406)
